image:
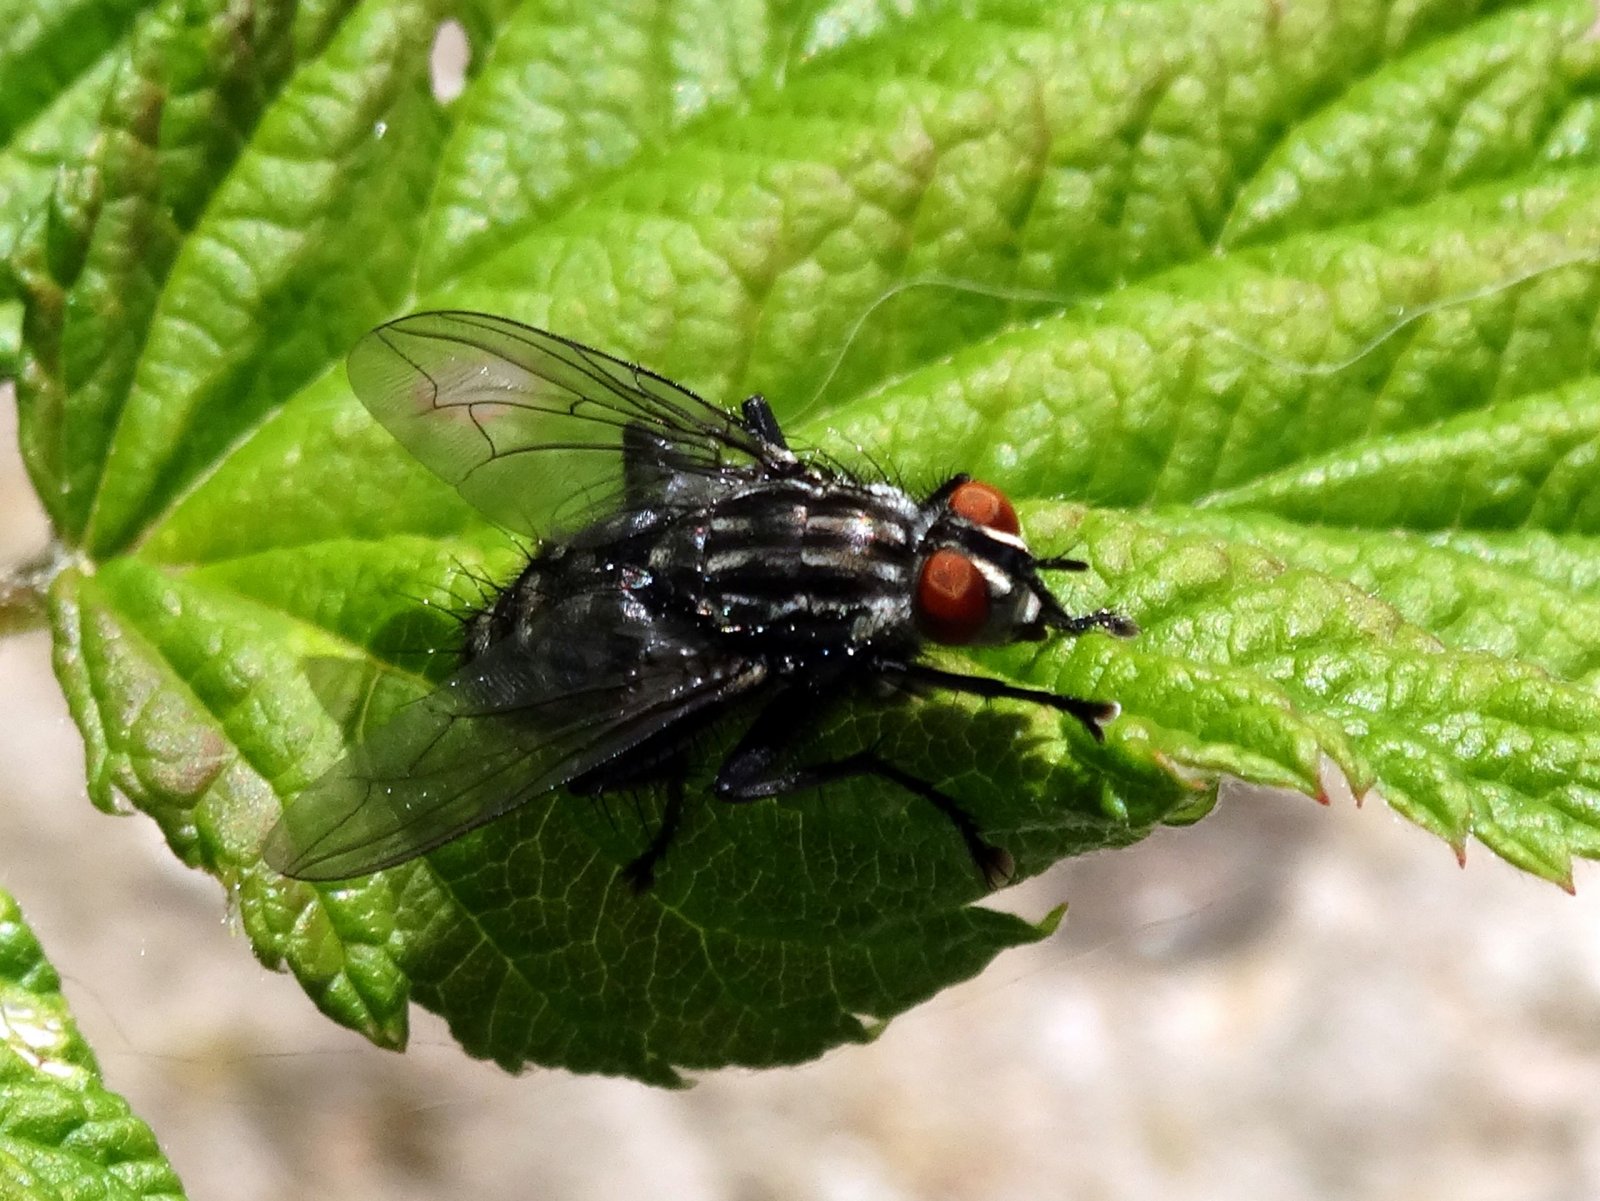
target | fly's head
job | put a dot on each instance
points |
(978, 583)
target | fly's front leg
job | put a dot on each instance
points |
(751, 772)
(1091, 714)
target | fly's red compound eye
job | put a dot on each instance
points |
(985, 505)
(952, 598)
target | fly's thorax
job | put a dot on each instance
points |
(798, 565)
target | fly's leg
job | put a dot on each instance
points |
(1114, 624)
(650, 462)
(993, 863)
(640, 871)
(1091, 714)
(758, 419)
(751, 772)
(1058, 618)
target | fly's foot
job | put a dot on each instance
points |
(639, 874)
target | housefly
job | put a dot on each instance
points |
(718, 572)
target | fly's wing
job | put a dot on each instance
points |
(476, 398)
(513, 724)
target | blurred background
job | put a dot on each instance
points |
(1284, 1001)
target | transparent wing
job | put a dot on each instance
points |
(479, 398)
(508, 727)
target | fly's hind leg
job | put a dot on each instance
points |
(751, 772)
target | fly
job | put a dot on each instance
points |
(722, 572)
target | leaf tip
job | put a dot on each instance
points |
(1334, 785)
(1050, 922)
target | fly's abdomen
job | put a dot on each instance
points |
(801, 564)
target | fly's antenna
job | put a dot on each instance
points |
(1405, 319)
(974, 287)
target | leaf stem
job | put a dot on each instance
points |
(23, 589)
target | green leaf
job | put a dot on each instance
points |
(62, 1133)
(57, 58)
(1281, 316)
